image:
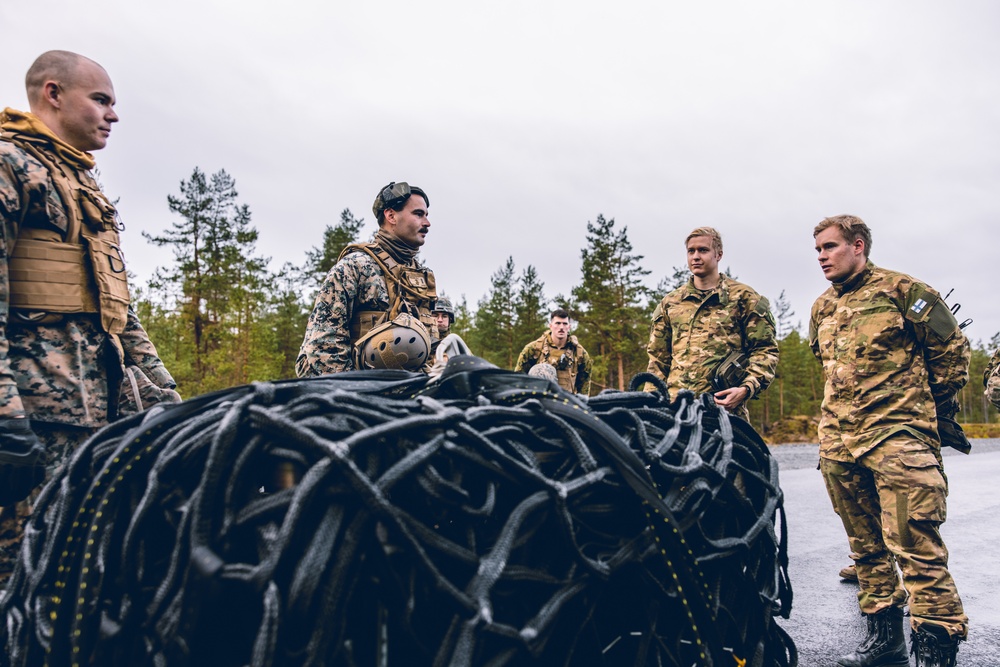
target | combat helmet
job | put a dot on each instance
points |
(443, 305)
(401, 343)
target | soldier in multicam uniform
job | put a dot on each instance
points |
(991, 380)
(67, 332)
(374, 289)
(894, 360)
(696, 327)
(563, 351)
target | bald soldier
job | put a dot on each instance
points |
(894, 360)
(714, 334)
(68, 335)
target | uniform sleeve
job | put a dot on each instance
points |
(526, 359)
(762, 345)
(10, 399)
(139, 349)
(814, 332)
(585, 366)
(991, 380)
(658, 348)
(947, 352)
(326, 347)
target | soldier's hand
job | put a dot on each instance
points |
(731, 398)
(22, 460)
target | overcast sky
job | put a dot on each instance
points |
(524, 120)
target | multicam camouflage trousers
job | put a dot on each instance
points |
(892, 504)
(60, 442)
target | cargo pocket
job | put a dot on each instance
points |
(922, 497)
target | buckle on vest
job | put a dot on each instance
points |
(121, 259)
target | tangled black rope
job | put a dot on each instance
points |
(377, 518)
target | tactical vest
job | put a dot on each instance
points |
(411, 290)
(566, 371)
(79, 270)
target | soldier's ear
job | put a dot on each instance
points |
(50, 94)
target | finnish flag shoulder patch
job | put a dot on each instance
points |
(919, 306)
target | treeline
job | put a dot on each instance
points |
(220, 317)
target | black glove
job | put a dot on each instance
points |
(22, 460)
(952, 435)
(949, 431)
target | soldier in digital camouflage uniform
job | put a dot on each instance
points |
(66, 328)
(894, 360)
(557, 347)
(371, 284)
(991, 380)
(697, 326)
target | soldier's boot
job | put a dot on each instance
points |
(884, 645)
(849, 573)
(933, 647)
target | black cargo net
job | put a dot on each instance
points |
(376, 518)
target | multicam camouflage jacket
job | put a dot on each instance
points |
(56, 369)
(694, 330)
(572, 363)
(355, 282)
(891, 350)
(991, 380)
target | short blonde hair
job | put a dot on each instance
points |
(710, 232)
(851, 228)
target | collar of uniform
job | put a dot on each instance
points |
(722, 290)
(29, 127)
(552, 343)
(854, 282)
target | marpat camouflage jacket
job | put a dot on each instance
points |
(55, 372)
(694, 330)
(356, 281)
(889, 347)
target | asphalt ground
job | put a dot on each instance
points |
(825, 622)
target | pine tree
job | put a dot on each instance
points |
(613, 303)
(530, 308)
(221, 284)
(496, 318)
(320, 260)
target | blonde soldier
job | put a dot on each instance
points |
(894, 360)
(991, 380)
(563, 351)
(714, 334)
(375, 307)
(66, 329)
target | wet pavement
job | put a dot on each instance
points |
(825, 622)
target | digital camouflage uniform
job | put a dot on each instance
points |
(572, 363)
(693, 330)
(59, 370)
(891, 351)
(355, 282)
(991, 380)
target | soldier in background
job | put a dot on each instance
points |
(444, 316)
(67, 331)
(713, 335)
(563, 351)
(374, 309)
(894, 360)
(991, 380)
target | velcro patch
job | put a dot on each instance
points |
(919, 306)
